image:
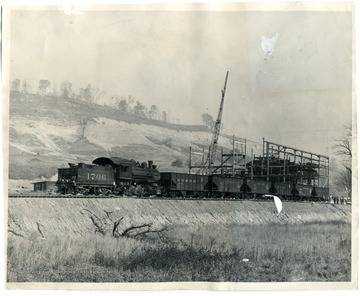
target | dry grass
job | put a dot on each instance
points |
(308, 252)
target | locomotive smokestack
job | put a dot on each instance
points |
(150, 164)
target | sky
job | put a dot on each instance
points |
(299, 96)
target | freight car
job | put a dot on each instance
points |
(109, 176)
(219, 186)
(183, 185)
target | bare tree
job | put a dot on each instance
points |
(123, 105)
(164, 116)
(140, 110)
(25, 87)
(154, 111)
(43, 86)
(15, 85)
(343, 148)
(87, 94)
(343, 180)
(54, 89)
(208, 120)
(65, 89)
(83, 125)
(343, 144)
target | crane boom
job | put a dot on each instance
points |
(213, 145)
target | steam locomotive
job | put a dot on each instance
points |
(109, 176)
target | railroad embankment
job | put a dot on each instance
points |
(43, 217)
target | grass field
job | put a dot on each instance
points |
(249, 253)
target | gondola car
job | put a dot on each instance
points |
(183, 185)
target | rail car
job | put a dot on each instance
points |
(183, 185)
(218, 186)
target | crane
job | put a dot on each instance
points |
(215, 137)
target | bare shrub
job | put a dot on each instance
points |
(110, 225)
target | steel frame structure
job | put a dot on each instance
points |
(277, 163)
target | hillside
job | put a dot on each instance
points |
(44, 135)
(79, 216)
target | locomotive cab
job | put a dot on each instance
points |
(124, 172)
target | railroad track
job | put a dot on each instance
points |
(71, 196)
(119, 197)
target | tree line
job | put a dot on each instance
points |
(126, 104)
